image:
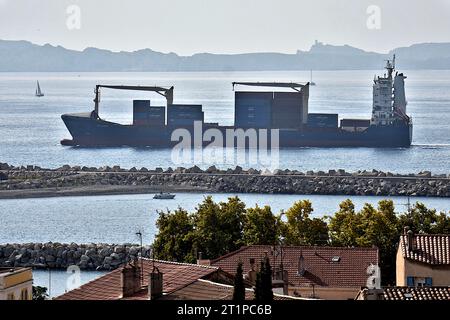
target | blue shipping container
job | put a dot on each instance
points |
(253, 109)
(323, 120)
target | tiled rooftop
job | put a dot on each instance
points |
(208, 290)
(322, 266)
(417, 293)
(427, 248)
(108, 287)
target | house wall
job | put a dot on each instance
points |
(17, 283)
(407, 268)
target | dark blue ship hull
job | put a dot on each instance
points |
(88, 130)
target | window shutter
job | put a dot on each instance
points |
(410, 281)
(429, 282)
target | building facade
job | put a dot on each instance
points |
(16, 284)
(423, 260)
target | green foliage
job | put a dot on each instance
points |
(218, 227)
(382, 228)
(422, 219)
(300, 229)
(239, 287)
(174, 239)
(261, 226)
(40, 293)
(263, 286)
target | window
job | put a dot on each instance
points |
(336, 259)
(24, 294)
(410, 281)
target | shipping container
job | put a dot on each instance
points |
(287, 110)
(253, 109)
(354, 125)
(323, 120)
(157, 116)
(180, 122)
(140, 110)
(184, 112)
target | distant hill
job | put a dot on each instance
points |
(26, 56)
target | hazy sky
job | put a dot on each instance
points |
(224, 26)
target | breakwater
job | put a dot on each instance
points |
(29, 181)
(60, 256)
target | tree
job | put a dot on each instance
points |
(239, 288)
(218, 227)
(174, 239)
(263, 287)
(344, 226)
(422, 219)
(261, 226)
(40, 293)
(299, 229)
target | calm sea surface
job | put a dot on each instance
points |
(116, 219)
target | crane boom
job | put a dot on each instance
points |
(165, 92)
(291, 85)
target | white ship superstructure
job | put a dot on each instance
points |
(389, 100)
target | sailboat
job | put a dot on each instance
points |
(38, 90)
(312, 83)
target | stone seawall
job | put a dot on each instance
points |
(17, 181)
(60, 256)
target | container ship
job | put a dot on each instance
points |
(285, 113)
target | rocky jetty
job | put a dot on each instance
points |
(90, 180)
(62, 255)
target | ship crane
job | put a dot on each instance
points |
(291, 85)
(165, 92)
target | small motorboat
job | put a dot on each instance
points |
(163, 196)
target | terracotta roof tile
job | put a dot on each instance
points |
(417, 293)
(208, 290)
(349, 269)
(427, 248)
(108, 287)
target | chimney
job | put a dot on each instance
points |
(155, 284)
(251, 274)
(201, 261)
(130, 280)
(410, 240)
(281, 281)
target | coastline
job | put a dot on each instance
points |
(35, 182)
(96, 190)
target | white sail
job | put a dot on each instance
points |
(311, 82)
(38, 90)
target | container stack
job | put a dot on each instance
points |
(180, 115)
(287, 110)
(144, 115)
(253, 109)
(140, 112)
(323, 120)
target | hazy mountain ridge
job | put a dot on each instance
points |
(26, 56)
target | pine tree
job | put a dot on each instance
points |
(239, 288)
